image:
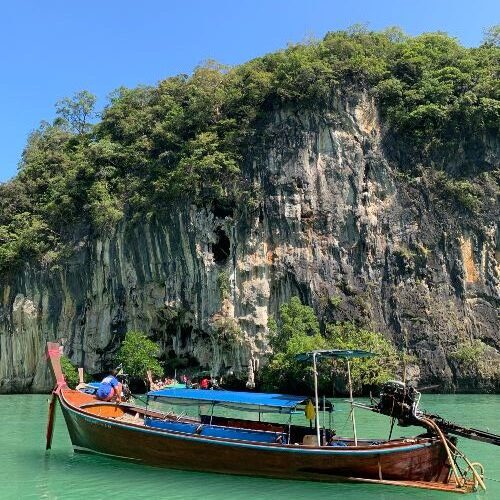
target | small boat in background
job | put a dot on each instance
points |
(237, 445)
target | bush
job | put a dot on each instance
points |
(138, 354)
(461, 191)
(224, 285)
(227, 331)
(336, 301)
(297, 330)
(368, 371)
(469, 354)
(70, 372)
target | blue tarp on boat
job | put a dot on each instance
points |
(218, 431)
(250, 400)
(90, 388)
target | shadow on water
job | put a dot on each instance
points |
(27, 471)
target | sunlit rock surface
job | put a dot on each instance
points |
(336, 220)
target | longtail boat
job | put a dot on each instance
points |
(230, 445)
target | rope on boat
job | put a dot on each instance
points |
(341, 430)
(459, 480)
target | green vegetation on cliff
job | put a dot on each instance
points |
(191, 135)
(70, 372)
(298, 330)
(138, 354)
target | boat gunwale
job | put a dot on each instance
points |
(383, 449)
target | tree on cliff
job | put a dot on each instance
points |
(492, 36)
(76, 112)
(70, 372)
(189, 137)
(369, 371)
(138, 354)
(297, 330)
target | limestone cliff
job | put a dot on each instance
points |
(337, 219)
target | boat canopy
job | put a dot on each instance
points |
(250, 401)
(334, 353)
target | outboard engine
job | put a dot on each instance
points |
(400, 401)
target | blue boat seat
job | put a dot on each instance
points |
(170, 425)
(218, 431)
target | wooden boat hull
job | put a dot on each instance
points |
(418, 460)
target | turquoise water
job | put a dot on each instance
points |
(27, 471)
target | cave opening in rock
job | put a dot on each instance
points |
(222, 247)
(222, 210)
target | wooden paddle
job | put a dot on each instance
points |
(50, 423)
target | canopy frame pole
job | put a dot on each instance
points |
(353, 418)
(392, 427)
(324, 421)
(316, 397)
(289, 427)
(333, 396)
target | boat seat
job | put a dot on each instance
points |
(171, 425)
(243, 434)
(218, 431)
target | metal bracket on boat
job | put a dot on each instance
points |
(471, 468)
(460, 477)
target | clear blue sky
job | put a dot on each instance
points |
(50, 49)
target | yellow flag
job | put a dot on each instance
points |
(309, 412)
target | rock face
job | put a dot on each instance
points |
(337, 226)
